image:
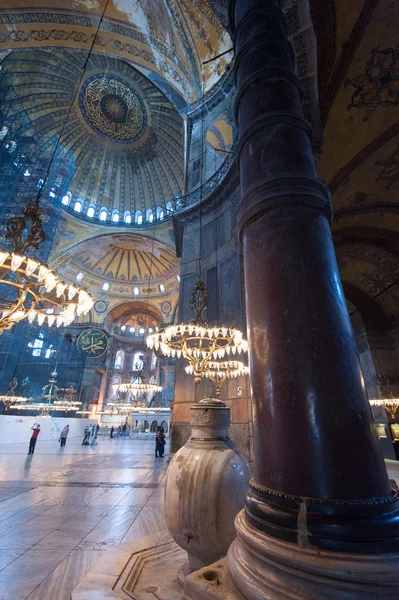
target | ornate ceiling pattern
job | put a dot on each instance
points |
(131, 266)
(166, 40)
(122, 146)
(358, 65)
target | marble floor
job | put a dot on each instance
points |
(60, 509)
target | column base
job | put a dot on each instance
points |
(259, 567)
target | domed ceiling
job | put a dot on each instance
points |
(167, 40)
(122, 146)
(132, 265)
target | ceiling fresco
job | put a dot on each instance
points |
(122, 145)
(121, 269)
(124, 260)
(358, 65)
(167, 40)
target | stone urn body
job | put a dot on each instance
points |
(206, 485)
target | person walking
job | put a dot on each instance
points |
(159, 442)
(36, 430)
(63, 436)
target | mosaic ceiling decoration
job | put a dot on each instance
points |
(166, 39)
(122, 146)
(358, 62)
(131, 265)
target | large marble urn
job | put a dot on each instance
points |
(206, 485)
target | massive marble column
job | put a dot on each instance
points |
(320, 498)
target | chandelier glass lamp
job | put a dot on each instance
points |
(390, 404)
(219, 371)
(10, 398)
(48, 400)
(197, 341)
(137, 388)
(29, 289)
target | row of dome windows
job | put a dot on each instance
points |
(141, 331)
(139, 216)
(136, 291)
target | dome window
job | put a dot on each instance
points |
(136, 291)
(90, 212)
(103, 214)
(78, 206)
(79, 277)
(105, 286)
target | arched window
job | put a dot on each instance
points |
(127, 217)
(138, 361)
(164, 424)
(123, 328)
(145, 427)
(149, 215)
(154, 426)
(90, 211)
(105, 286)
(162, 288)
(169, 206)
(132, 330)
(119, 359)
(103, 214)
(66, 199)
(78, 206)
(138, 217)
(141, 331)
(160, 213)
(79, 277)
(115, 216)
(136, 291)
(150, 330)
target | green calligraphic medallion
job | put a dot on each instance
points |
(93, 342)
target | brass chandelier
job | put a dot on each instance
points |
(138, 388)
(48, 400)
(390, 404)
(197, 341)
(31, 289)
(219, 371)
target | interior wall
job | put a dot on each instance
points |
(16, 429)
(213, 252)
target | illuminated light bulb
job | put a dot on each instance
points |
(50, 281)
(178, 353)
(3, 257)
(224, 331)
(80, 310)
(60, 320)
(50, 320)
(190, 329)
(17, 315)
(40, 318)
(234, 349)
(82, 297)
(228, 350)
(60, 288)
(16, 261)
(43, 271)
(31, 316)
(72, 292)
(31, 266)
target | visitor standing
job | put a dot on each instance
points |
(112, 431)
(159, 443)
(36, 430)
(63, 436)
(124, 429)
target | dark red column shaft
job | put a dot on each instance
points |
(316, 448)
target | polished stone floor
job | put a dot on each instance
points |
(61, 509)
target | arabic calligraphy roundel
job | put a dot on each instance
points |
(93, 342)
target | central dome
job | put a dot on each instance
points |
(112, 108)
